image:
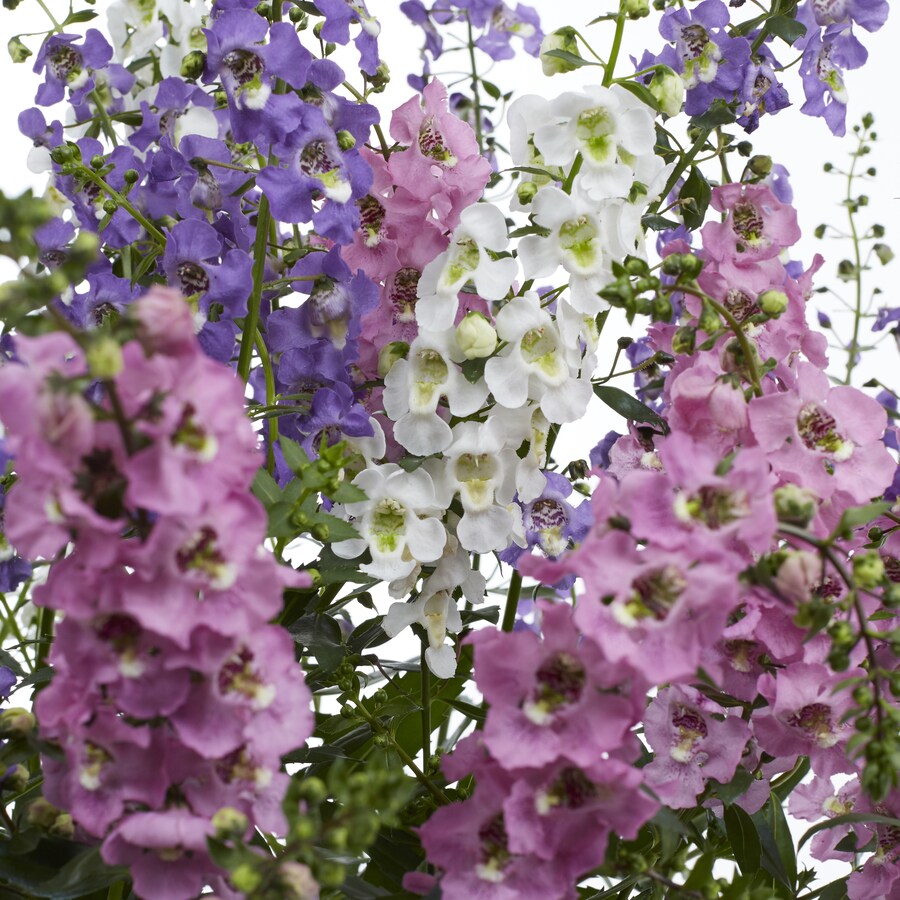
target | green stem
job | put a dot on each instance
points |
(426, 708)
(570, 178)
(512, 601)
(45, 639)
(853, 348)
(116, 891)
(266, 363)
(56, 26)
(126, 204)
(680, 166)
(735, 326)
(475, 94)
(616, 46)
(251, 322)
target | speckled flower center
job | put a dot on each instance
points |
(65, 63)
(192, 277)
(560, 681)
(402, 291)
(694, 38)
(243, 65)
(656, 592)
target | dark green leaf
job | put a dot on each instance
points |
(490, 88)
(629, 407)
(744, 840)
(571, 58)
(837, 890)
(367, 634)
(717, 114)
(658, 223)
(695, 196)
(777, 859)
(266, 489)
(788, 29)
(473, 369)
(847, 819)
(642, 92)
(84, 15)
(322, 637)
(856, 516)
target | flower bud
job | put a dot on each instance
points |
(883, 252)
(868, 569)
(667, 88)
(15, 779)
(16, 722)
(110, 206)
(98, 161)
(798, 575)
(313, 790)
(63, 826)
(42, 813)
(61, 154)
(773, 303)
(229, 822)
(637, 9)
(18, 51)
(562, 39)
(682, 264)
(245, 878)
(475, 336)
(389, 354)
(795, 505)
(104, 358)
(684, 340)
(760, 165)
(297, 881)
(345, 140)
(526, 191)
(380, 80)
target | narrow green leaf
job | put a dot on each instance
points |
(571, 58)
(744, 840)
(848, 819)
(629, 407)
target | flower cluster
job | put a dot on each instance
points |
(140, 456)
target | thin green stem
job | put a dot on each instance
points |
(56, 26)
(476, 96)
(125, 203)
(426, 708)
(853, 347)
(512, 601)
(266, 363)
(610, 68)
(570, 178)
(251, 322)
(116, 891)
(680, 167)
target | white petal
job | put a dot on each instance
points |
(568, 401)
(426, 538)
(486, 530)
(441, 661)
(402, 615)
(423, 434)
(486, 224)
(494, 277)
(538, 255)
(507, 379)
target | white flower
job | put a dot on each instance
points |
(414, 386)
(535, 363)
(482, 227)
(438, 614)
(395, 522)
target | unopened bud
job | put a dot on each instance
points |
(667, 88)
(526, 191)
(637, 9)
(110, 206)
(63, 826)
(42, 813)
(795, 505)
(760, 165)
(245, 878)
(868, 569)
(389, 354)
(15, 779)
(773, 303)
(883, 252)
(684, 340)
(297, 881)
(562, 39)
(16, 722)
(798, 575)
(345, 140)
(98, 161)
(685, 264)
(381, 79)
(104, 358)
(475, 336)
(61, 154)
(229, 822)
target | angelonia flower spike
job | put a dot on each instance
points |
(306, 592)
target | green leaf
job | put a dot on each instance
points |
(571, 58)
(473, 369)
(695, 196)
(83, 15)
(778, 857)
(783, 788)
(744, 840)
(717, 114)
(642, 92)
(532, 170)
(266, 489)
(847, 819)
(348, 493)
(855, 516)
(51, 871)
(735, 788)
(629, 407)
(701, 874)
(788, 29)
(322, 637)
(837, 890)
(658, 223)
(476, 713)
(490, 88)
(367, 634)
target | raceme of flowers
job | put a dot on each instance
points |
(245, 205)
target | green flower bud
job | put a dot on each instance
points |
(475, 336)
(773, 303)
(883, 252)
(61, 154)
(131, 176)
(380, 80)
(110, 206)
(229, 822)
(98, 161)
(685, 264)
(760, 165)
(104, 358)
(868, 569)
(245, 878)
(526, 191)
(15, 779)
(297, 881)
(667, 88)
(562, 39)
(63, 826)
(18, 52)
(795, 505)
(389, 354)
(637, 9)
(709, 320)
(312, 790)
(16, 722)
(345, 140)
(42, 813)
(684, 340)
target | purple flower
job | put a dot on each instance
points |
(761, 91)
(338, 16)
(506, 23)
(68, 65)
